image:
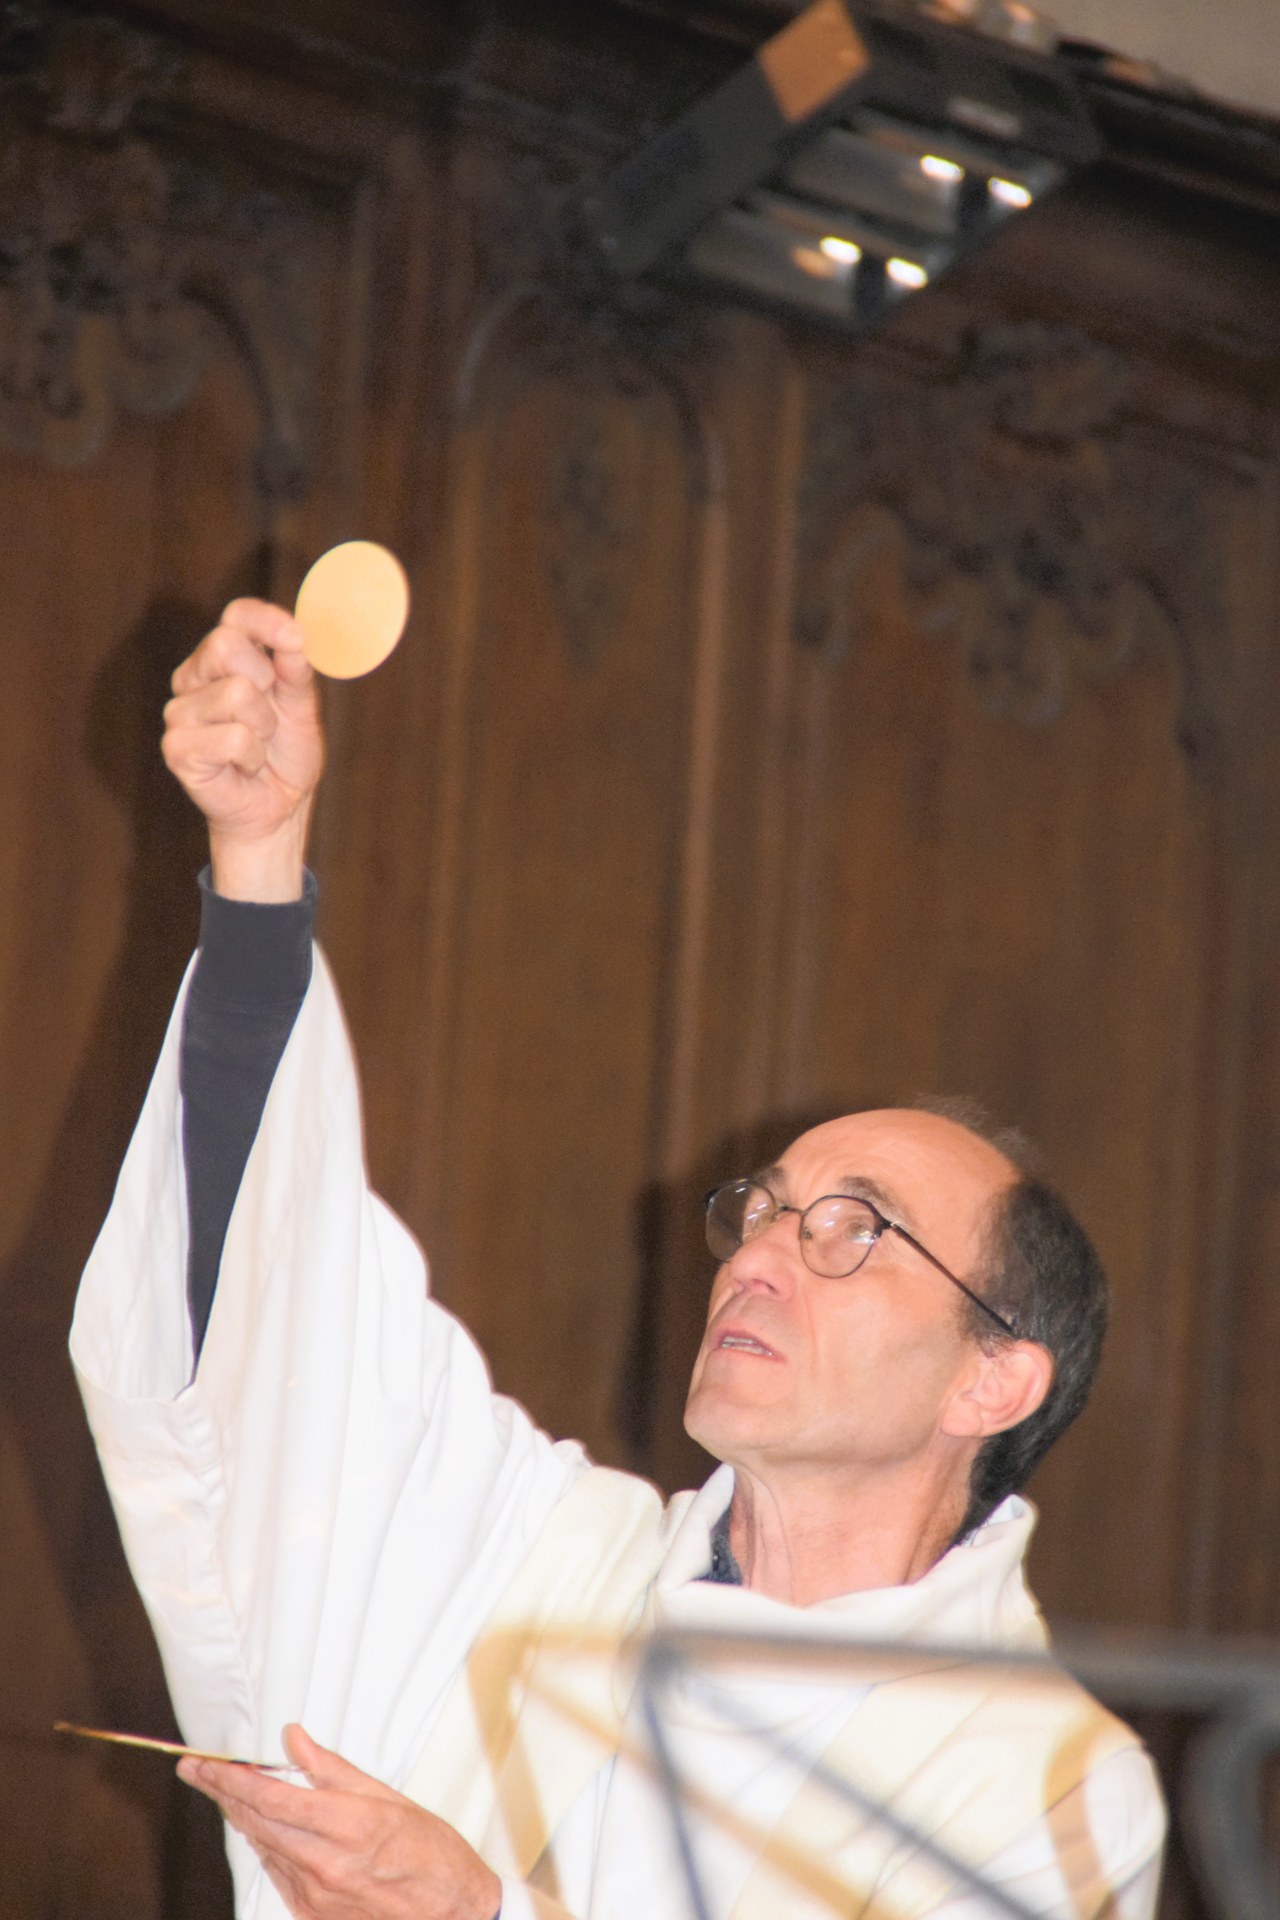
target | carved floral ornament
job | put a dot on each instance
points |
(128, 255)
(617, 369)
(1028, 527)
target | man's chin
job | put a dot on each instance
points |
(723, 1424)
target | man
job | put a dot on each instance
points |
(335, 1522)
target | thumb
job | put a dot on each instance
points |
(302, 1751)
(324, 1768)
(294, 673)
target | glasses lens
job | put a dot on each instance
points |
(836, 1235)
(735, 1213)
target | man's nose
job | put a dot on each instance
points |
(770, 1259)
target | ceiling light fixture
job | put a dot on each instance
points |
(865, 149)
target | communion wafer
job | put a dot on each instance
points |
(352, 609)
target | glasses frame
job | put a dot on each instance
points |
(883, 1225)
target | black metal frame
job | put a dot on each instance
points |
(1221, 1809)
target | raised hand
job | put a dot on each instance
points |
(348, 1848)
(243, 736)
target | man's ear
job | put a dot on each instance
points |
(1006, 1385)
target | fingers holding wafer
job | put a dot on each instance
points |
(238, 698)
(242, 731)
(271, 628)
(254, 639)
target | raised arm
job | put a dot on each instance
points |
(242, 735)
(321, 1514)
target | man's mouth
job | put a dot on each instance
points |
(738, 1342)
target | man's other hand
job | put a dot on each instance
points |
(243, 735)
(348, 1848)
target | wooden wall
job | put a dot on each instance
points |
(783, 727)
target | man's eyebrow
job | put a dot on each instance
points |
(858, 1186)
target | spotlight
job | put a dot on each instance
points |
(867, 147)
(1012, 194)
(782, 250)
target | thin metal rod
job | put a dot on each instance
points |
(1222, 1803)
(1223, 1799)
(673, 1793)
(1147, 1670)
(845, 1789)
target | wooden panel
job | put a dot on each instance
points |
(1236, 1541)
(110, 575)
(572, 772)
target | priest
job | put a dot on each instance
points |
(360, 1560)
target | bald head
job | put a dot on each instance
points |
(930, 1174)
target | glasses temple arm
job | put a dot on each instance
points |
(955, 1280)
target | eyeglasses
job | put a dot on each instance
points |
(837, 1233)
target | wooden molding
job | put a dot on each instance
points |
(1031, 528)
(133, 244)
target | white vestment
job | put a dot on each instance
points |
(336, 1521)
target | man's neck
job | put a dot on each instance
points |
(815, 1537)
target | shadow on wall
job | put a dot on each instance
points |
(89, 1836)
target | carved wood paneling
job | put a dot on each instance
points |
(780, 726)
(1035, 530)
(128, 243)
